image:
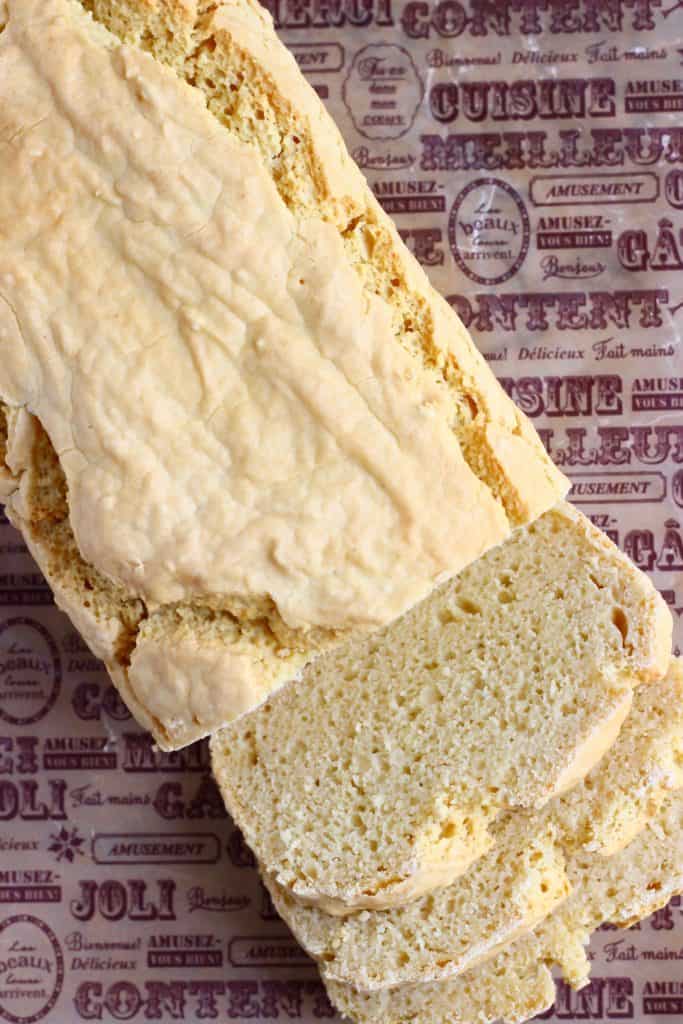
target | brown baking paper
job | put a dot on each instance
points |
(531, 152)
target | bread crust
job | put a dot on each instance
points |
(487, 469)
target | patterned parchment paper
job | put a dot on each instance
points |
(531, 152)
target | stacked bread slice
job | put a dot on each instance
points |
(480, 949)
(436, 810)
(516, 984)
(573, 847)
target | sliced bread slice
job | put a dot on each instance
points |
(517, 983)
(502, 689)
(512, 987)
(272, 432)
(530, 870)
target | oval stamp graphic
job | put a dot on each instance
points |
(30, 671)
(31, 969)
(677, 487)
(488, 231)
(383, 91)
(673, 188)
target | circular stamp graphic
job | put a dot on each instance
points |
(31, 969)
(30, 671)
(383, 91)
(488, 231)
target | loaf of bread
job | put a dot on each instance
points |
(529, 871)
(268, 433)
(517, 984)
(531, 654)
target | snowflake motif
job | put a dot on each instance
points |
(66, 844)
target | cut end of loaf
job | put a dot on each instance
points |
(400, 727)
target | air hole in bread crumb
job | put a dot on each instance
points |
(146, 40)
(595, 581)
(468, 606)
(621, 622)
(426, 907)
